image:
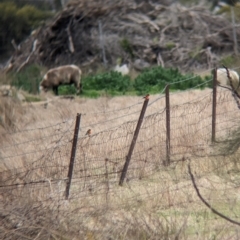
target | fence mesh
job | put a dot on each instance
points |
(36, 169)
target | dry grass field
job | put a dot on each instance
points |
(155, 201)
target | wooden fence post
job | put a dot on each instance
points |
(134, 140)
(73, 153)
(214, 105)
(167, 126)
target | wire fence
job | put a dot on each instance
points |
(103, 153)
(38, 167)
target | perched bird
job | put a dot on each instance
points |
(147, 96)
(88, 132)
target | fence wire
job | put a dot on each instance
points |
(36, 169)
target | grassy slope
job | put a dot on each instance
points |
(163, 204)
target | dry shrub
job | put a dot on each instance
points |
(7, 104)
(10, 113)
(155, 202)
(4, 78)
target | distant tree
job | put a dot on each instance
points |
(52, 5)
(17, 22)
(216, 3)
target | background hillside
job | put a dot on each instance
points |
(142, 33)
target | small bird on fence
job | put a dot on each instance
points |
(89, 131)
(147, 96)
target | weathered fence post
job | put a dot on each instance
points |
(167, 126)
(214, 105)
(134, 140)
(73, 153)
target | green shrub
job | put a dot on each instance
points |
(28, 79)
(114, 83)
(17, 23)
(31, 16)
(91, 93)
(46, 5)
(155, 79)
(66, 90)
(109, 81)
(170, 45)
(127, 46)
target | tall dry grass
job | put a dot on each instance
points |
(156, 202)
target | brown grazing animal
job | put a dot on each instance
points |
(63, 75)
(223, 80)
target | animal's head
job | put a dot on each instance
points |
(43, 86)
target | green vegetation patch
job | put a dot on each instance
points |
(110, 82)
(154, 80)
(66, 90)
(28, 79)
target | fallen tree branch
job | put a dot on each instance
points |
(206, 203)
(28, 58)
(24, 63)
(71, 46)
(17, 48)
(160, 61)
(140, 19)
(9, 65)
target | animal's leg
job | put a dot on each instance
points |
(78, 87)
(55, 90)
